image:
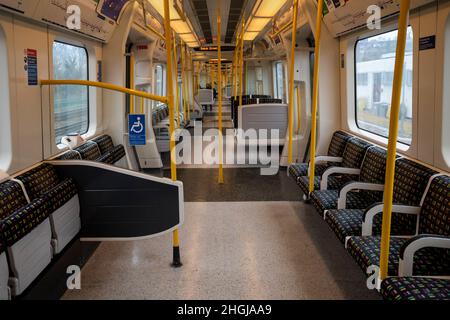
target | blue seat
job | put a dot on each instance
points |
(336, 149)
(427, 253)
(26, 232)
(415, 288)
(43, 182)
(411, 180)
(360, 194)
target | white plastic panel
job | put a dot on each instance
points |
(55, 12)
(66, 223)
(4, 274)
(342, 16)
(205, 97)
(29, 257)
(27, 7)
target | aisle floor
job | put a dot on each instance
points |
(230, 250)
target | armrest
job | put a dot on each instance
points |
(328, 159)
(342, 201)
(377, 208)
(324, 159)
(336, 170)
(413, 245)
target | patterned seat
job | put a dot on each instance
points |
(25, 231)
(110, 154)
(89, 151)
(415, 288)
(70, 155)
(62, 197)
(427, 262)
(411, 180)
(434, 219)
(113, 156)
(334, 183)
(336, 149)
(372, 171)
(105, 143)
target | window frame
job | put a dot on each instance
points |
(355, 83)
(68, 43)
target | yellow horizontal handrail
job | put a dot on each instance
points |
(103, 85)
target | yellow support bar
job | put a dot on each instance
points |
(173, 167)
(183, 81)
(132, 98)
(103, 85)
(299, 109)
(219, 89)
(188, 83)
(291, 84)
(241, 64)
(177, 100)
(312, 162)
(393, 136)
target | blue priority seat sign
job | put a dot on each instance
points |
(136, 129)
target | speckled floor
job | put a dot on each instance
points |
(230, 250)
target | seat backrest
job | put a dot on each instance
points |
(270, 100)
(354, 153)
(70, 155)
(435, 213)
(411, 180)
(89, 151)
(205, 96)
(373, 170)
(39, 180)
(104, 143)
(12, 198)
(338, 143)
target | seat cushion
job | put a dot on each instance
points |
(427, 261)
(415, 288)
(70, 155)
(39, 180)
(328, 199)
(89, 151)
(113, 156)
(61, 194)
(12, 198)
(345, 222)
(334, 183)
(105, 143)
(23, 221)
(348, 222)
(298, 170)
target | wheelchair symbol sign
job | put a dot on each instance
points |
(136, 129)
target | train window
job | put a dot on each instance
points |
(159, 80)
(5, 117)
(374, 66)
(71, 103)
(279, 80)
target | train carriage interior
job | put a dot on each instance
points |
(225, 150)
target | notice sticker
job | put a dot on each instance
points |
(31, 66)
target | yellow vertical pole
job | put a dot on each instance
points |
(132, 98)
(291, 84)
(241, 64)
(299, 109)
(183, 81)
(177, 101)
(235, 70)
(191, 85)
(173, 167)
(315, 96)
(393, 135)
(219, 89)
